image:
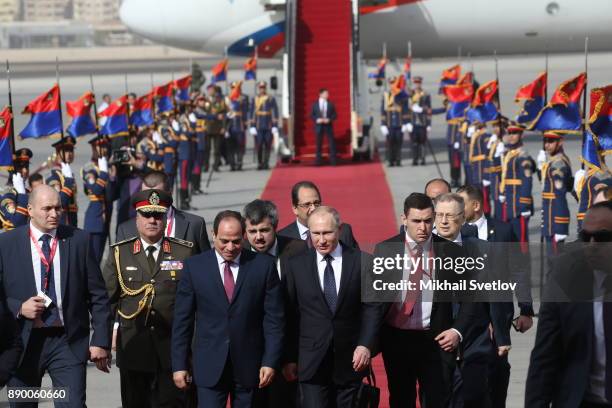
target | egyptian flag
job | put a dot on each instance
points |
(599, 127)
(80, 112)
(6, 150)
(236, 92)
(450, 76)
(164, 95)
(562, 113)
(532, 96)
(116, 118)
(142, 111)
(407, 68)
(380, 70)
(484, 107)
(250, 69)
(398, 88)
(459, 99)
(46, 114)
(219, 72)
(183, 85)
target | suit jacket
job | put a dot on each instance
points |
(248, 330)
(189, 227)
(346, 234)
(315, 113)
(312, 329)
(82, 287)
(10, 343)
(287, 248)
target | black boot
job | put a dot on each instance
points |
(195, 184)
(184, 193)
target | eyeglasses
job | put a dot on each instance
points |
(306, 206)
(597, 236)
(450, 217)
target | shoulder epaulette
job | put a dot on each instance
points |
(188, 244)
(125, 241)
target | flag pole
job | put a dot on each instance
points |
(584, 95)
(95, 107)
(153, 101)
(410, 58)
(59, 97)
(127, 108)
(546, 85)
(10, 107)
(499, 115)
(226, 72)
(384, 54)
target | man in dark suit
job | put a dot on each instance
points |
(571, 362)
(331, 332)
(180, 224)
(323, 114)
(305, 198)
(10, 341)
(234, 298)
(53, 285)
(424, 317)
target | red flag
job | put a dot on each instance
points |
(453, 73)
(81, 106)
(467, 78)
(236, 91)
(164, 90)
(459, 93)
(533, 90)
(6, 149)
(486, 93)
(46, 102)
(219, 71)
(569, 91)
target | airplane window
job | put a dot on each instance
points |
(552, 8)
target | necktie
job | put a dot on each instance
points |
(415, 278)
(308, 241)
(151, 259)
(607, 321)
(228, 280)
(47, 282)
(329, 284)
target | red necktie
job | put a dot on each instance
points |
(308, 241)
(415, 278)
(228, 280)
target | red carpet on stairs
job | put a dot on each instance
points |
(360, 193)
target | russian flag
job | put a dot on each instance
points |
(46, 114)
(459, 98)
(600, 119)
(380, 70)
(116, 118)
(142, 113)
(562, 113)
(183, 85)
(6, 149)
(450, 76)
(250, 69)
(164, 93)
(532, 96)
(219, 72)
(484, 107)
(80, 112)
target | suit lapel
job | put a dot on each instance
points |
(64, 251)
(314, 278)
(242, 275)
(490, 230)
(180, 225)
(217, 275)
(348, 260)
(25, 248)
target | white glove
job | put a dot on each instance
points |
(176, 126)
(18, 183)
(501, 198)
(470, 131)
(526, 214)
(384, 130)
(103, 164)
(541, 159)
(428, 129)
(486, 183)
(499, 151)
(578, 178)
(253, 131)
(227, 135)
(66, 170)
(192, 118)
(560, 237)
(456, 145)
(416, 108)
(275, 131)
(409, 127)
(492, 140)
(157, 138)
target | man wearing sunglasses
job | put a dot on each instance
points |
(571, 362)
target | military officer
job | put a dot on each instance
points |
(169, 142)
(421, 120)
(149, 147)
(516, 183)
(556, 174)
(264, 123)
(64, 149)
(141, 275)
(237, 115)
(493, 169)
(395, 119)
(216, 113)
(587, 183)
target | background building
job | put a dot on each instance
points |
(47, 10)
(10, 10)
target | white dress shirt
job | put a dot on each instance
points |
(156, 245)
(596, 388)
(234, 267)
(421, 313)
(336, 266)
(482, 226)
(323, 107)
(303, 230)
(57, 276)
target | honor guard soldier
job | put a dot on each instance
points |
(167, 130)
(395, 119)
(200, 129)
(516, 184)
(64, 149)
(237, 115)
(21, 162)
(149, 147)
(141, 275)
(264, 123)
(477, 153)
(465, 136)
(556, 174)
(216, 113)
(493, 168)
(13, 207)
(185, 134)
(95, 176)
(421, 120)
(586, 184)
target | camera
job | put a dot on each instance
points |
(122, 155)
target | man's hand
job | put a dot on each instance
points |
(290, 372)
(448, 340)
(503, 350)
(100, 357)
(32, 308)
(266, 375)
(361, 358)
(182, 379)
(524, 323)
(319, 120)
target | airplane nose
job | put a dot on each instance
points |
(143, 17)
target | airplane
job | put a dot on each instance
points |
(436, 28)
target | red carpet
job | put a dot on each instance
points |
(360, 193)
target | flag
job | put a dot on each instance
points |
(236, 92)
(532, 97)
(484, 107)
(591, 156)
(219, 72)
(467, 78)
(398, 88)
(80, 112)
(250, 69)
(562, 113)
(459, 99)
(46, 119)
(450, 76)
(599, 126)
(407, 68)
(380, 70)
(164, 95)
(142, 111)
(116, 118)
(182, 86)
(6, 149)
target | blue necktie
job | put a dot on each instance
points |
(51, 314)
(329, 284)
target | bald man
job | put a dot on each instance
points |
(436, 187)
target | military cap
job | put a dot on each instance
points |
(67, 143)
(262, 84)
(515, 127)
(98, 141)
(552, 134)
(417, 80)
(23, 155)
(8, 195)
(152, 201)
